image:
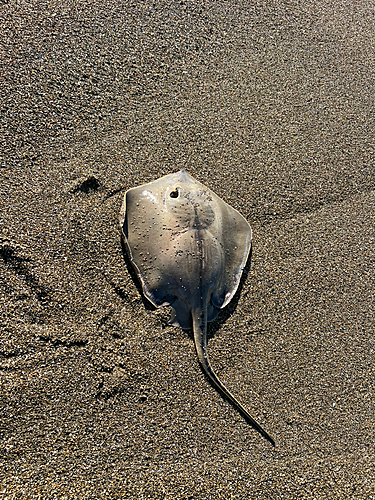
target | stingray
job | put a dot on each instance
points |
(189, 249)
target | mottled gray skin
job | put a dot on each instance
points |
(189, 249)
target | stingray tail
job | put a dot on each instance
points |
(200, 340)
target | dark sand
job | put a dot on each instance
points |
(272, 107)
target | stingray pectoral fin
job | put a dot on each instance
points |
(199, 318)
(157, 296)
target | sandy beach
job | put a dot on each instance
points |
(272, 107)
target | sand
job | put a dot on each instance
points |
(272, 107)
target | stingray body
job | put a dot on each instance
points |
(189, 249)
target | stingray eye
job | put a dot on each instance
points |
(175, 193)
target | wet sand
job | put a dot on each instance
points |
(272, 107)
